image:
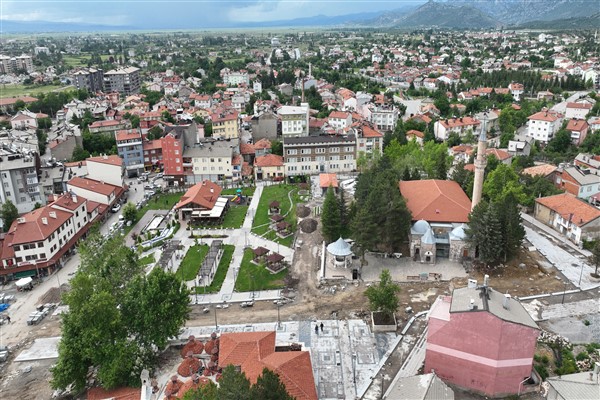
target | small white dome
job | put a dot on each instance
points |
(458, 233)
(428, 237)
(420, 227)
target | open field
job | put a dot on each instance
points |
(80, 60)
(28, 90)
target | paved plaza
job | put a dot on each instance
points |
(345, 356)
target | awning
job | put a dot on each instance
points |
(25, 274)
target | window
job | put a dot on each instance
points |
(292, 151)
(306, 151)
(176, 152)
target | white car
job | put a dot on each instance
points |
(116, 208)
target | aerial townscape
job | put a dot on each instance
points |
(277, 200)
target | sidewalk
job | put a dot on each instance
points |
(557, 236)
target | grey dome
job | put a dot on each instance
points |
(420, 227)
(428, 237)
(458, 233)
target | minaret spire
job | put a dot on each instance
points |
(480, 164)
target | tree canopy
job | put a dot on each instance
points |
(383, 296)
(8, 213)
(235, 386)
(118, 318)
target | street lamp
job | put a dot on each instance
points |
(216, 325)
(278, 318)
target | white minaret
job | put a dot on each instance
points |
(480, 163)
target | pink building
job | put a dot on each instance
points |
(481, 340)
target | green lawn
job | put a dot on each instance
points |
(234, 218)
(81, 60)
(256, 277)
(23, 90)
(190, 265)
(149, 259)
(247, 191)
(261, 219)
(217, 282)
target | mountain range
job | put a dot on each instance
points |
(480, 14)
(454, 14)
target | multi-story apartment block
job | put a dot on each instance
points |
(316, 154)
(38, 241)
(172, 155)
(340, 119)
(225, 125)
(130, 149)
(152, 154)
(19, 174)
(211, 159)
(13, 65)
(107, 169)
(294, 120)
(126, 81)
(91, 79)
(543, 125)
(443, 128)
(384, 117)
(369, 139)
(109, 127)
(235, 78)
(577, 110)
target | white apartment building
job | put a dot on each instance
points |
(107, 169)
(294, 120)
(19, 179)
(543, 125)
(340, 119)
(38, 241)
(577, 110)
(211, 159)
(235, 78)
(317, 154)
(443, 128)
(384, 117)
(126, 81)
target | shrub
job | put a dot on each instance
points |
(545, 359)
(582, 356)
(586, 322)
(542, 371)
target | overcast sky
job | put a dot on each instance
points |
(174, 14)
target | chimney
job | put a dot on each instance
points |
(486, 280)
(506, 301)
(74, 197)
(44, 220)
(472, 304)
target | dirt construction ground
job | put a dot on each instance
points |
(311, 302)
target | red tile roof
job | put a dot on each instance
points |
(247, 148)
(203, 194)
(152, 144)
(37, 225)
(269, 160)
(254, 351)
(112, 160)
(544, 116)
(13, 100)
(263, 143)
(326, 180)
(339, 114)
(456, 122)
(128, 135)
(584, 106)
(544, 170)
(370, 132)
(93, 185)
(498, 153)
(414, 132)
(435, 200)
(114, 394)
(578, 125)
(569, 207)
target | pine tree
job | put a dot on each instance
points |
(513, 232)
(8, 213)
(234, 385)
(344, 213)
(268, 386)
(330, 217)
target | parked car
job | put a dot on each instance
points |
(116, 208)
